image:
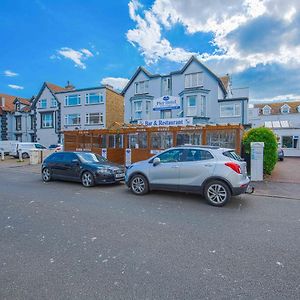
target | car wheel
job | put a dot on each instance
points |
(46, 175)
(217, 193)
(87, 179)
(139, 185)
(25, 155)
(281, 158)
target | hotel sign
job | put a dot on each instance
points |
(166, 102)
(167, 122)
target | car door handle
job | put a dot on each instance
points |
(208, 165)
(175, 167)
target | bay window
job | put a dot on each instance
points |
(137, 110)
(191, 106)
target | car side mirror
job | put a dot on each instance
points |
(156, 161)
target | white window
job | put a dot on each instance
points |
(47, 120)
(141, 87)
(285, 109)
(53, 102)
(230, 110)
(148, 109)
(93, 98)
(298, 108)
(43, 103)
(94, 118)
(166, 89)
(289, 142)
(166, 114)
(72, 119)
(266, 110)
(193, 80)
(203, 106)
(72, 100)
(137, 109)
(191, 106)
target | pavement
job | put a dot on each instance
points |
(59, 240)
(283, 182)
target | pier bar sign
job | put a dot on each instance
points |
(167, 122)
(166, 102)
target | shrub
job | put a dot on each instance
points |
(267, 136)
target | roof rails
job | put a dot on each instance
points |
(199, 146)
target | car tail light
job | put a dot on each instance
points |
(234, 166)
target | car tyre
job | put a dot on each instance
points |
(217, 193)
(46, 175)
(281, 158)
(25, 155)
(87, 179)
(139, 185)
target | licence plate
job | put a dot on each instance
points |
(120, 175)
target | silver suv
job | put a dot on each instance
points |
(216, 173)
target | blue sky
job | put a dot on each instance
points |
(86, 42)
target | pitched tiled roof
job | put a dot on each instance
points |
(275, 107)
(55, 88)
(225, 81)
(9, 102)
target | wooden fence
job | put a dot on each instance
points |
(129, 144)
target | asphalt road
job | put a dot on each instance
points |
(62, 241)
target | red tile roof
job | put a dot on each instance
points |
(9, 102)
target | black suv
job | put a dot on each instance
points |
(85, 167)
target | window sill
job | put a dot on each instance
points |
(72, 105)
(47, 127)
(94, 124)
(94, 103)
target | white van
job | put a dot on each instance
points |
(25, 148)
(8, 146)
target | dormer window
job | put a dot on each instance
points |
(285, 109)
(18, 106)
(266, 110)
(298, 108)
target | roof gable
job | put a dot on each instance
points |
(9, 105)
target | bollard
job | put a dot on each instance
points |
(2, 154)
(20, 156)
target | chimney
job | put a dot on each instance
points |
(69, 86)
(2, 102)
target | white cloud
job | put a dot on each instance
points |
(225, 19)
(116, 82)
(77, 56)
(16, 87)
(9, 73)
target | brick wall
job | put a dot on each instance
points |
(114, 108)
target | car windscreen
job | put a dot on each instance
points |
(233, 155)
(91, 158)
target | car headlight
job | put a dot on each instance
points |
(105, 171)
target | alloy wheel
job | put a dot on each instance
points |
(87, 179)
(217, 193)
(138, 185)
(46, 174)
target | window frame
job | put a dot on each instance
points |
(88, 100)
(43, 101)
(137, 87)
(18, 123)
(88, 118)
(53, 100)
(190, 107)
(188, 80)
(139, 111)
(234, 105)
(67, 99)
(269, 110)
(43, 121)
(283, 107)
(67, 119)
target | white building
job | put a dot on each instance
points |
(192, 95)
(284, 119)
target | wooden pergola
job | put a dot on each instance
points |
(143, 142)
